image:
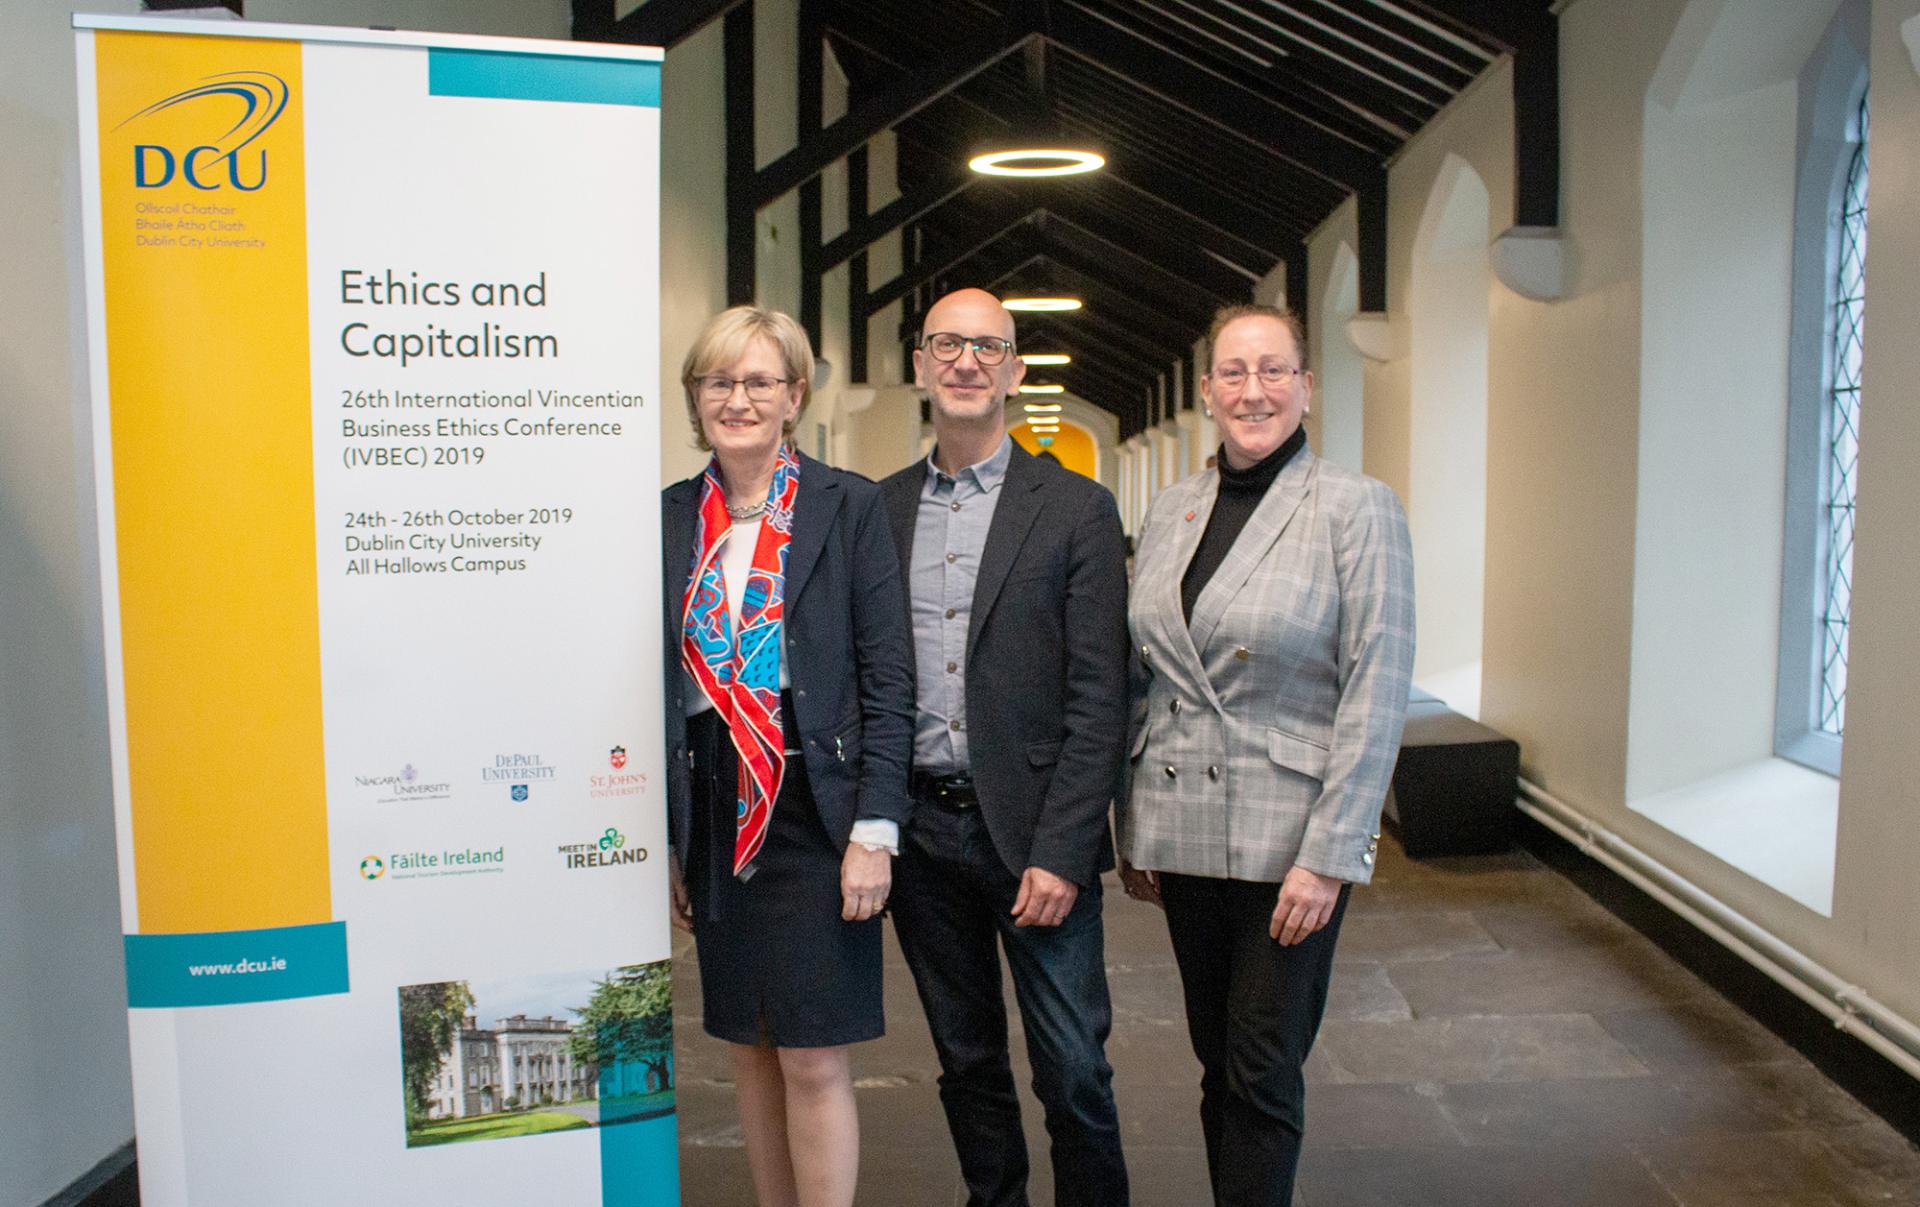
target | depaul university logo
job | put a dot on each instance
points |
(216, 164)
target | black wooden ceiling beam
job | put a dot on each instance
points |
(863, 232)
(940, 261)
(1115, 299)
(1536, 124)
(885, 108)
(1499, 24)
(1182, 259)
(1371, 221)
(1083, 339)
(1168, 290)
(655, 23)
(1308, 145)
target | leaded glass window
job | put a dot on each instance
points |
(1843, 432)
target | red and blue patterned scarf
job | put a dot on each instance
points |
(742, 676)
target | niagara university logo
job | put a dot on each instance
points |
(618, 757)
(260, 98)
(372, 868)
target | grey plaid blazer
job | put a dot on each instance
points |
(1265, 735)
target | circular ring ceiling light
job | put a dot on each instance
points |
(1034, 305)
(1037, 161)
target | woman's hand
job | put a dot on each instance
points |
(682, 915)
(865, 877)
(1306, 904)
(1141, 886)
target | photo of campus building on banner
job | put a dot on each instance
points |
(598, 1051)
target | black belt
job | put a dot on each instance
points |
(953, 792)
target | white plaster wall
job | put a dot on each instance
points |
(1564, 477)
(1719, 200)
(1338, 421)
(1447, 409)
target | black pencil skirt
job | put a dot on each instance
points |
(778, 966)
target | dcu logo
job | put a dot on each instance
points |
(220, 163)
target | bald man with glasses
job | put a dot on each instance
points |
(1017, 574)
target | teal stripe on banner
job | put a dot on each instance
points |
(542, 77)
(639, 1138)
(640, 1163)
(222, 968)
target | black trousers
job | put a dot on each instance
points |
(1253, 1009)
(952, 907)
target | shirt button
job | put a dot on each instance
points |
(952, 556)
(951, 613)
(952, 667)
(956, 507)
(1213, 773)
(1174, 708)
(954, 724)
(1170, 773)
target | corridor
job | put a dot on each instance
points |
(1494, 1038)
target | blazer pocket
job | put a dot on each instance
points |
(1297, 754)
(1043, 754)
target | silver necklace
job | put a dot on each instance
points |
(746, 513)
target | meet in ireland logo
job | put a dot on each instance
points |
(607, 851)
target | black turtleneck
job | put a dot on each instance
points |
(1240, 493)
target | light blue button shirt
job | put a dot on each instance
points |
(949, 535)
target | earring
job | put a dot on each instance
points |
(1206, 410)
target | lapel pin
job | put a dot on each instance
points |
(1190, 516)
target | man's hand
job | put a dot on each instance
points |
(682, 915)
(1141, 886)
(1045, 899)
(1306, 904)
(865, 878)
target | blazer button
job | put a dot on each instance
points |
(1213, 773)
(1367, 859)
(1174, 708)
(1170, 773)
(1242, 653)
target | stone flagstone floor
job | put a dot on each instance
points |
(1494, 1038)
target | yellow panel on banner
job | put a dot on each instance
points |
(203, 217)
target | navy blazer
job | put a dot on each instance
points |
(849, 650)
(1046, 663)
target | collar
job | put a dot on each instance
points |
(987, 475)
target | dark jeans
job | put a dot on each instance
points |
(952, 898)
(1253, 1009)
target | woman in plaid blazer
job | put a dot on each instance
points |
(1272, 621)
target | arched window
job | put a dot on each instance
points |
(1848, 293)
(1823, 403)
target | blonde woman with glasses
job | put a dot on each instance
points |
(789, 730)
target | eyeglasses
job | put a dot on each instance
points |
(945, 346)
(1273, 377)
(759, 389)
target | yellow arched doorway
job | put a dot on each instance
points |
(1072, 445)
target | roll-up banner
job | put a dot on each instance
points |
(373, 344)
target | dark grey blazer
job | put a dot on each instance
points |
(849, 650)
(1046, 663)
